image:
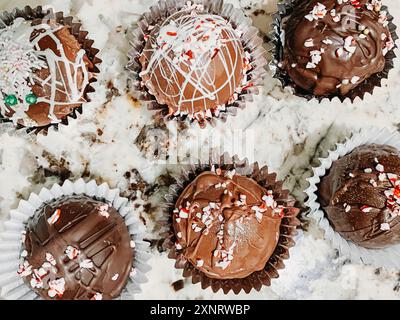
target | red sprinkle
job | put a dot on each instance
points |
(172, 34)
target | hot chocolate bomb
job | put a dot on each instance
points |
(76, 248)
(227, 225)
(361, 196)
(194, 63)
(332, 46)
(45, 73)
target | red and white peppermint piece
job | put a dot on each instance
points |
(366, 209)
(57, 288)
(54, 217)
(97, 296)
(72, 252)
(184, 213)
(50, 258)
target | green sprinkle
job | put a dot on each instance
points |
(11, 100)
(31, 98)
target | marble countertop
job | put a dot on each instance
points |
(112, 141)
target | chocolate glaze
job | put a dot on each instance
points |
(354, 196)
(220, 72)
(251, 238)
(339, 71)
(103, 238)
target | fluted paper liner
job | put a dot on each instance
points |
(285, 9)
(388, 257)
(12, 286)
(287, 229)
(250, 39)
(38, 13)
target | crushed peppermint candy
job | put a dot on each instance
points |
(97, 296)
(115, 277)
(319, 11)
(57, 288)
(72, 253)
(103, 210)
(50, 258)
(309, 43)
(54, 217)
(355, 79)
(366, 209)
(385, 226)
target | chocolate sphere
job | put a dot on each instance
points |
(194, 63)
(332, 46)
(76, 248)
(44, 66)
(361, 196)
(227, 225)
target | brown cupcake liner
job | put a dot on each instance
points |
(287, 229)
(38, 13)
(250, 39)
(285, 9)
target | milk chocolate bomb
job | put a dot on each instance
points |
(332, 46)
(76, 248)
(361, 196)
(45, 72)
(227, 225)
(194, 63)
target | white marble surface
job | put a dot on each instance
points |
(286, 132)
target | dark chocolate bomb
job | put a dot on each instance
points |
(77, 248)
(332, 46)
(361, 196)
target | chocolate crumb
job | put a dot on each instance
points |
(178, 285)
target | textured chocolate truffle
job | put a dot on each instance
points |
(332, 46)
(227, 225)
(76, 248)
(45, 72)
(194, 63)
(361, 196)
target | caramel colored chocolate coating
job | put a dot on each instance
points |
(231, 229)
(356, 196)
(102, 239)
(207, 73)
(340, 70)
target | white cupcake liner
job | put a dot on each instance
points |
(252, 43)
(12, 286)
(388, 257)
